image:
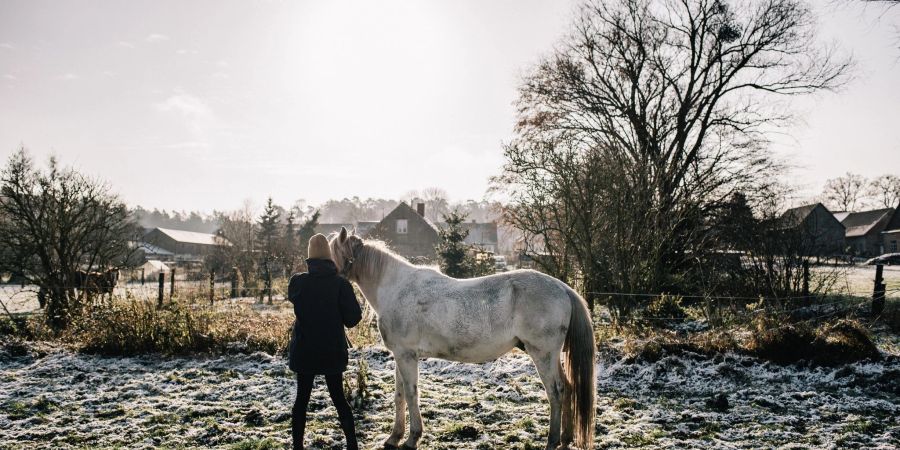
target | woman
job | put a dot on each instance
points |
(324, 303)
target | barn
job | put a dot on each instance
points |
(188, 246)
(821, 233)
(864, 231)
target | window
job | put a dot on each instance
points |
(893, 246)
(401, 226)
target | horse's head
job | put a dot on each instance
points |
(345, 249)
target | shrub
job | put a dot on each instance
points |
(664, 310)
(841, 342)
(131, 327)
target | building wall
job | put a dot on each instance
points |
(418, 241)
(822, 233)
(891, 241)
(866, 246)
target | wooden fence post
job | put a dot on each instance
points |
(212, 286)
(234, 282)
(806, 298)
(879, 291)
(143, 276)
(269, 283)
(162, 287)
(172, 285)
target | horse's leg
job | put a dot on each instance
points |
(399, 411)
(547, 363)
(568, 411)
(409, 369)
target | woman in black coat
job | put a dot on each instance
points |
(324, 303)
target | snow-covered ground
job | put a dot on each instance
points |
(66, 400)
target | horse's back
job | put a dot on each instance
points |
(478, 319)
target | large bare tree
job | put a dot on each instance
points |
(846, 192)
(885, 191)
(649, 116)
(56, 221)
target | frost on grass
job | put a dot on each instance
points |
(66, 400)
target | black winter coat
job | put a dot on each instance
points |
(324, 303)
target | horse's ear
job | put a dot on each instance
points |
(343, 236)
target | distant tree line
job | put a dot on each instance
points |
(264, 247)
(177, 220)
(852, 192)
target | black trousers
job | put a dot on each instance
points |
(336, 391)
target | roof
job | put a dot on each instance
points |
(151, 249)
(795, 216)
(412, 213)
(191, 237)
(156, 265)
(862, 223)
(894, 222)
(479, 232)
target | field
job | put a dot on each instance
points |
(51, 397)
(66, 400)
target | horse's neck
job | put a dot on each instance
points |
(373, 278)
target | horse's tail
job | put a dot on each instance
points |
(579, 351)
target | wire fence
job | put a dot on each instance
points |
(755, 306)
(18, 299)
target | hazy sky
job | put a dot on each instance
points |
(202, 104)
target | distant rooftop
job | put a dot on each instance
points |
(860, 223)
(191, 237)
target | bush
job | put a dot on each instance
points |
(131, 327)
(841, 342)
(664, 310)
(831, 343)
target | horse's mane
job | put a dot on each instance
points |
(374, 256)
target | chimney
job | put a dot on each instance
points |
(420, 208)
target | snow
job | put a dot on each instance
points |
(66, 400)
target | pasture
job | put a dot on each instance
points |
(65, 400)
(52, 395)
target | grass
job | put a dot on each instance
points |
(257, 444)
(829, 343)
(132, 327)
(459, 432)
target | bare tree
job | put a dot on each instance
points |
(666, 103)
(845, 193)
(56, 221)
(885, 191)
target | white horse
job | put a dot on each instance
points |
(424, 313)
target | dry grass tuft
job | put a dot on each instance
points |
(132, 327)
(831, 343)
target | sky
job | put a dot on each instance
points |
(200, 105)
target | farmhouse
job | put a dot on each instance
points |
(891, 234)
(821, 234)
(188, 246)
(408, 232)
(864, 231)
